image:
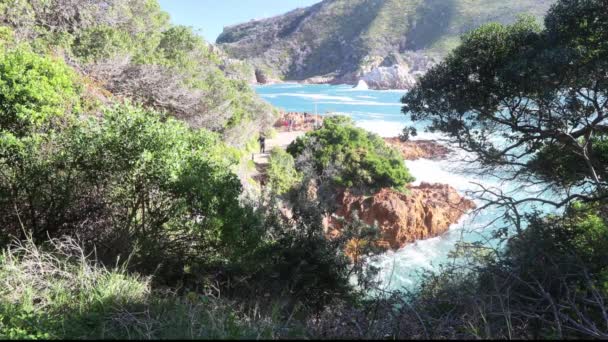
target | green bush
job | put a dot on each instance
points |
(34, 91)
(360, 159)
(6, 35)
(100, 43)
(282, 173)
(131, 178)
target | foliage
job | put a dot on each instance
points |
(362, 159)
(282, 173)
(529, 103)
(512, 94)
(408, 133)
(34, 91)
(132, 178)
(59, 293)
(132, 50)
(566, 169)
(303, 269)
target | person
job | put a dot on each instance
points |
(262, 140)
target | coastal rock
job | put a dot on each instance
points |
(393, 77)
(427, 211)
(419, 149)
(304, 122)
(263, 77)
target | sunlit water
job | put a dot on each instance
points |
(380, 112)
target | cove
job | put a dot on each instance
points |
(380, 112)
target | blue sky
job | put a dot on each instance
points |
(210, 16)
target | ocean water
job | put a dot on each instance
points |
(380, 112)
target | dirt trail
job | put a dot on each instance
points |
(282, 140)
(262, 160)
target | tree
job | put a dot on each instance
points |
(514, 95)
(352, 157)
(531, 105)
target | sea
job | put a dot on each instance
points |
(380, 112)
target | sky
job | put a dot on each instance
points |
(210, 16)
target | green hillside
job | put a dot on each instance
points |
(339, 38)
(130, 49)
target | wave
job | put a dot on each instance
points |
(331, 99)
(362, 85)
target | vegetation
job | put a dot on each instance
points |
(282, 173)
(35, 91)
(130, 49)
(122, 216)
(57, 292)
(530, 104)
(351, 156)
(339, 38)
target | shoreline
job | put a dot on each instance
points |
(305, 83)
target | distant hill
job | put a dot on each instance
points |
(342, 41)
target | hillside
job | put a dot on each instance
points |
(342, 41)
(130, 50)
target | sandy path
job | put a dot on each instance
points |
(282, 140)
(261, 160)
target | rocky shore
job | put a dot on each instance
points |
(427, 211)
(422, 212)
(419, 149)
(293, 121)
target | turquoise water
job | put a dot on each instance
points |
(380, 112)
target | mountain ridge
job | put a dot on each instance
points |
(344, 41)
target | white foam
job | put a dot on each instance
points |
(383, 128)
(331, 99)
(362, 85)
(364, 103)
(316, 96)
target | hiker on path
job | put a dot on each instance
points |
(262, 140)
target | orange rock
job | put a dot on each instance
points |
(299, 122)
(426, 212)
(419, 149)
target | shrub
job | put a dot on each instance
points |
(360, 159)
(282, 174)
(131, 178)
(34, 91)
(408, 133)
(57, 292)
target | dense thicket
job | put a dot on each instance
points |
(131, 49)
(120, 170)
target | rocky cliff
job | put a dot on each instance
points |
(419, 149)
(387, 43)
(426, 212)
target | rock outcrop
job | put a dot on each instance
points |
(419, 149)
(298, 122)
(394, 77)
(427, 211)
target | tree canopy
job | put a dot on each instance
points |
(518, 95)
(353, 157)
